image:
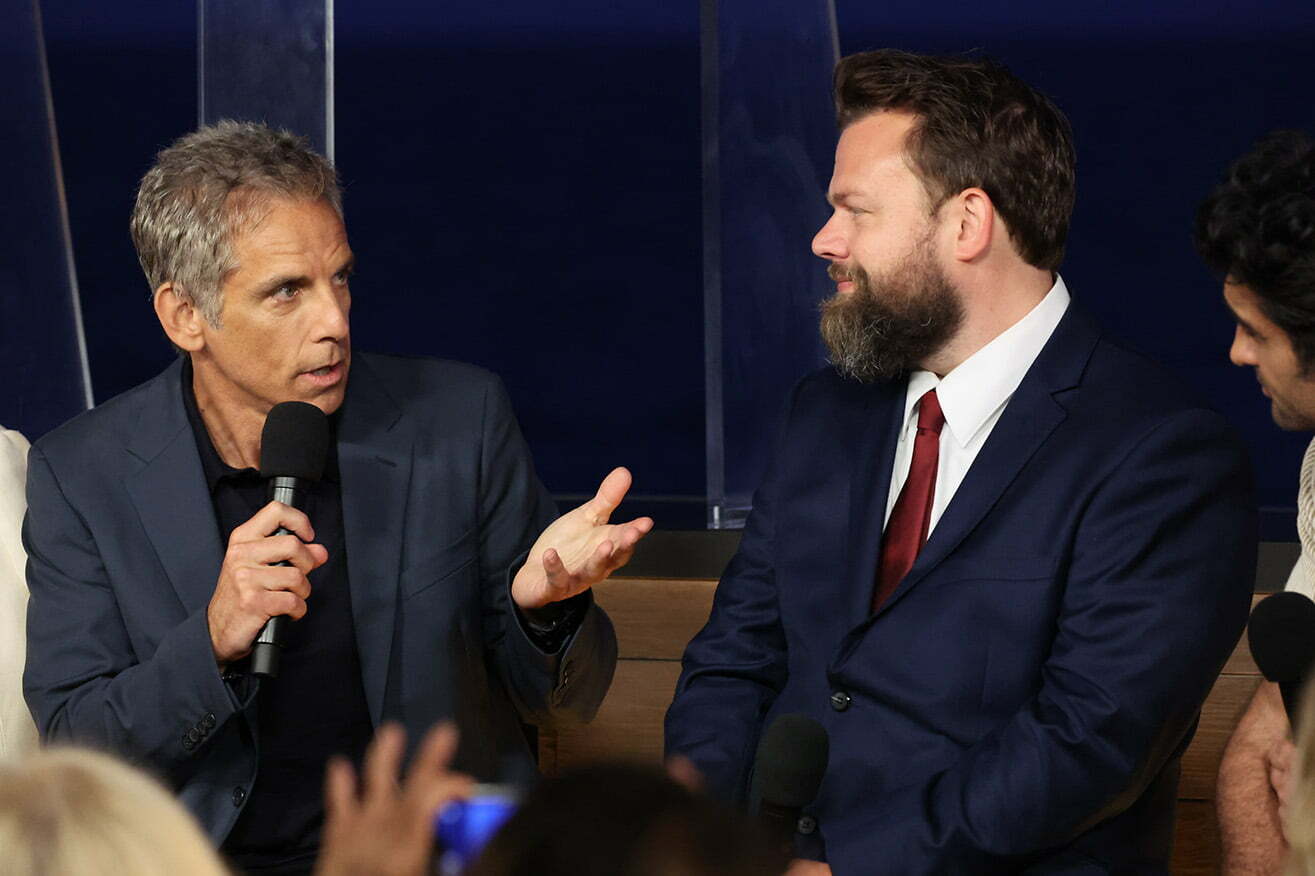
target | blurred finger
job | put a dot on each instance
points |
(683, 772)
(382, 759)
(339, 787)
(435, 754)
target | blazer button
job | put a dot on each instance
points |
(239, 794)
(840, 700)
(193, 736)
(188, 744)
(807, 824)
(208, 721)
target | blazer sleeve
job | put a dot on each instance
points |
(1155, 597)
(570, 683)
(84, 680)
(734, 668)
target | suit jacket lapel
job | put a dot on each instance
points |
(374, 461)
(170, 494)
(873, 461)
(1028, 420)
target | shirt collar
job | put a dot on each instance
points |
(213, 465)
(983, 382)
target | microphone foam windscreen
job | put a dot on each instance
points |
(294, 442)
(792, 759)
(1281, 633)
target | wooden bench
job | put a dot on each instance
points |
(655, 618)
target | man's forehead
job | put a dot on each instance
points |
(872, 150)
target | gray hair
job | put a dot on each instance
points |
(209, 187)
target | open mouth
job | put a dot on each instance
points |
(326, 375)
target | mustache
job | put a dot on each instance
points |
(839, 273)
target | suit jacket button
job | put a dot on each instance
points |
(840, 700)
(806, 825)
(208, 722)
(239, 794)
(193, 736)
(188, 744)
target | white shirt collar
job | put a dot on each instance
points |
(982, 383)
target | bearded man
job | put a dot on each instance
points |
(1000, 559)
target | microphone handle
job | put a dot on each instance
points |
(780, 823)
(268, 646)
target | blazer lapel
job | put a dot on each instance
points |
(374, 461)
(874, 459)
(170, 495)
(1030, 417)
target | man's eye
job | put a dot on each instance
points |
(285, 292)
(342, 277)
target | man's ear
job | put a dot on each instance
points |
(976, 218)
(179, 318)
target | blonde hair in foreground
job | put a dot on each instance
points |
(1299, 821)
(76, 812)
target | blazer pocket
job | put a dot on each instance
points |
(437, 565)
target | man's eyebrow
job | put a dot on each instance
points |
(278, 281)
(348, 264)
(1237, 317)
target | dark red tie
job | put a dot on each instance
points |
(907, 529)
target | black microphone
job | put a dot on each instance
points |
(789, 768)
(293, 447)
(1281, 634)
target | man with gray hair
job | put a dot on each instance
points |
(418, 577)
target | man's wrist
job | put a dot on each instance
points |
(550, 625)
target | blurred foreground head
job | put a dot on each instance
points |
(69, 812)
(626, 820)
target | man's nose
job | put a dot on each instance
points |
(829, 243)
(1240, 353)
(332, 309)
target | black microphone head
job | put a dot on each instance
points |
(1281, 634)
(792, 759)
(294, 442)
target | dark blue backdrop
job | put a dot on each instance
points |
(523, 188)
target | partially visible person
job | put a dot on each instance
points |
(428, 574)
(1257, 229)
(1299, 812)
(78, 812)
(75, 812)
(998, 557)
(18, 734)
(615, 819)
(380, 827)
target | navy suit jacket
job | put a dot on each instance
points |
(440, 504)
(1022, 699)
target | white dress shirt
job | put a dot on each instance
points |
(1302, 578)
(972, 397)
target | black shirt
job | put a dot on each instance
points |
(316, 707)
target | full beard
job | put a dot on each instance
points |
(888, 326)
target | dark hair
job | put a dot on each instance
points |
(626, 820)
(977, 125)
(1257, 228)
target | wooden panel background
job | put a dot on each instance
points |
(656, 617)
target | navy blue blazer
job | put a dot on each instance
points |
(440, 504)
(1022, 699)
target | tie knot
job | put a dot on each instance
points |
(930, 415)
